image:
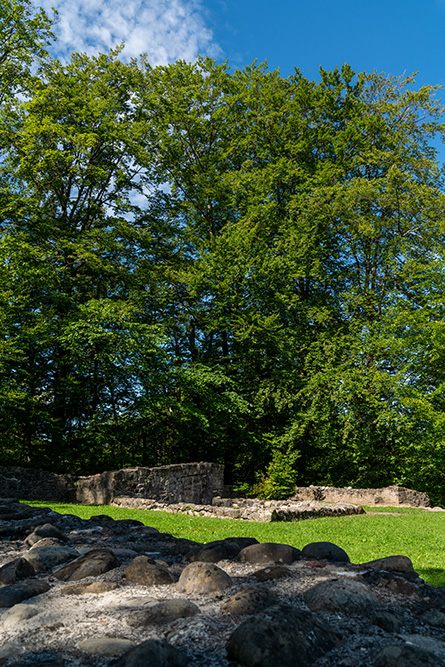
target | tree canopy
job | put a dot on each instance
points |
(205, 263)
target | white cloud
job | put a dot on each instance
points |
(167, 30)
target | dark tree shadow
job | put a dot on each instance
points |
(433, 575)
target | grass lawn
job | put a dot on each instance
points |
(414, 533)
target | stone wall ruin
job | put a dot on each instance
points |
(182, 482)
(390, 496)
(195, 483)
(32, 484)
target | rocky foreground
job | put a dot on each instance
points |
(104, 592)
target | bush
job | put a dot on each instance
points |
(280, 479)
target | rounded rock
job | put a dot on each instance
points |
(45, 530)
(45, 558)
(434, 617)
(18, 613)
(273, 572)
(209, 553)
(343, 595)
(154, 652)
(282, 635)
(143, 570)
(405, 655)
(250, 600)
(212, 552)
(387, 621)
(48, 542)
(203, 578)
(16, 593)
(163, 612)
(101, 519)
(16, 569)
(324, 551)
(108, 646)
(94, 563)
(391, 564)
(269, 552)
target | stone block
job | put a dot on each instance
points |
(386, 496)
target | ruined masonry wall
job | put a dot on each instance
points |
(197, 483)
(32, 484)
(183, 482)
(388, 496)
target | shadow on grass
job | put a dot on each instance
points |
(432, 575)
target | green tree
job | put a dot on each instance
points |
(74, 324)
(329, 199)
(24, 35)
(198, 263)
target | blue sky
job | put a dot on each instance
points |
(391, 36)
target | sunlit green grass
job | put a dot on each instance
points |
(414, 533)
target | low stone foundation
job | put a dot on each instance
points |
(387, 496)
(247, 509)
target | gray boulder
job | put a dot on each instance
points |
(106, 646)
(387, 621)
(269, 552)
(46, 530)
(283, 636)
(44, 559)
(16, 593)
(203, 578)
(434, 617)
(94, 563)
(406, 655)
(436, 646)
(143, 570)
(17, 614)
(212, 552)
(251, 600)
(15, 570)
(344, 595)
(163, 612)
(209, 553)
(154, 653)
(273, 572)
(47, 542)
(391, 564)
(324, 551)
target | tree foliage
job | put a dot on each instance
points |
(199, 263)
(24, 35)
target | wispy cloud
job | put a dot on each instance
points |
(167, 30)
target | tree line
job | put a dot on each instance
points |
(204, 263)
